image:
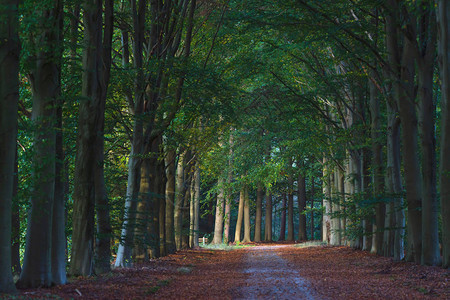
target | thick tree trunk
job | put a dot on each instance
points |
(218, 225)
(283, 218)
(258, 216)
(335, 238)
(268, 218)
(367, 192)
(15, 222)
(240, 217)
(45, 80)
(170, 201)
(444, 62)
(427, 115)
(89, 187)
(301, 198)
(9, 96)
(179, 201)
(403, 83)
(154, 209)
(59, 211)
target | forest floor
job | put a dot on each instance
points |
(263, 271)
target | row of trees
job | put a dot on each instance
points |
(124, 122)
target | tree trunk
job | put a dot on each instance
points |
(45, 80)
(444, 63)
(179, 201)
(312, 209)
(394, 186)
(283, 218)
(228, 199)
(218, 225)
(268, 223)
(160, 189)
(326, 188)
(301, 196)
(247, 229)
(237, 233)
(89, 188)
(141, 238)
(170, 201)
(9, 97)
(290, 235)
(197, 204)
(427, 116)
(59, 208)
(124, 252)
(377, 167)
(403, 82)
(15, 222)
(258, 217)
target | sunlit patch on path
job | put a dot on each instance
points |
(272, 277)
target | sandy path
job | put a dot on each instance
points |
(272, 277)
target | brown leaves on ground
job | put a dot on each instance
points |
(346, 273)
(332, 272)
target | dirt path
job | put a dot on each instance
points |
(272, 277)
(264, 271)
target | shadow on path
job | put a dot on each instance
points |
(271, 277)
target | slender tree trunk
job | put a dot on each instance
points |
(283, 218)
(9, 97)
(197, 204)
(124, 252)
(368, 221)
(218, 225)
(154, 209)
(377, 167)
(326, 188)
(185, 238)
(160, 188)
(45, 80)
(141, 238)
(237, 233)
(443, 14)
(268, 223)
(258, 217)
(290, 195)
(179, 200)
(247, 229)
(170, 201)
(301, 196)
(229, 196)
(312, 209)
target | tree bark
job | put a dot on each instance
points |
(9, 97)
(443, 16)
(326, 189)
(237, 233)
(301, 196)
(258, 217)
(283, 218)
(218, 225)
(268, 218)
(89, 190)
(46, 89)
(247, 229)
(425, 57)
(124, 251)
(170, 201)
(15, 222)
(290, 195)
(179, 201)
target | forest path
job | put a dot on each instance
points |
(272, 277)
